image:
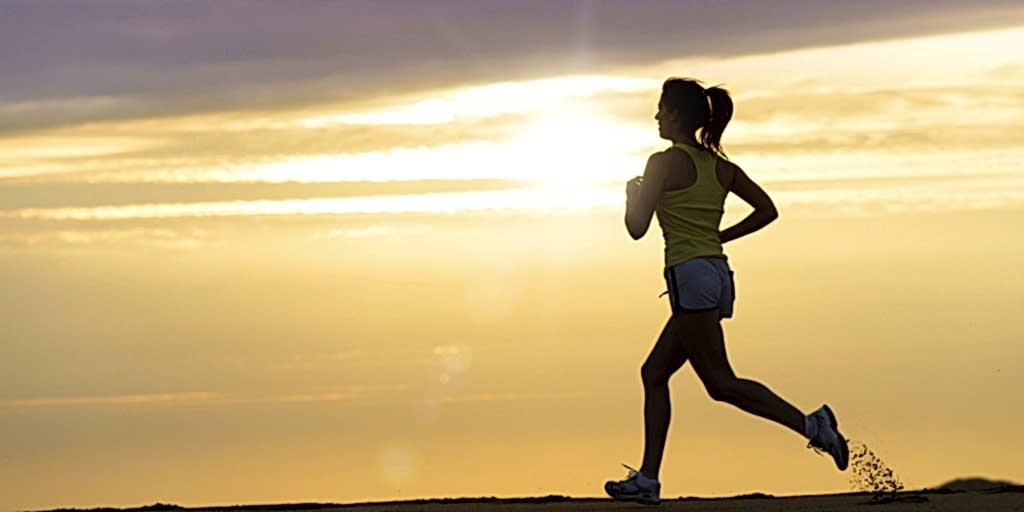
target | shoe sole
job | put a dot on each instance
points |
(844, 448)
(632, 499)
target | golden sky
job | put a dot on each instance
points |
(428, 291)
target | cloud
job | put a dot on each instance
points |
(145, 60)
(303, 361)
(47, 194)
(347, 394)
(534, 198)
(189, 239)
(783, 104)
(889, 118)
(377, 230)
(884, 109)
(511, 397)
(154, 398)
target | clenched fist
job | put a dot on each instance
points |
(633, 186)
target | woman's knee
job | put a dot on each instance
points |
(722, 389)
(650, 375)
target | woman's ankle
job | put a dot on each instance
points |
(650, 475)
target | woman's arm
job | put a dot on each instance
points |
(764, 210)
(643, 194)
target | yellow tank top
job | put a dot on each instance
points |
(690, 217)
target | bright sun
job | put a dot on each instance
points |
(578, 149)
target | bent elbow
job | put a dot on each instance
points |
(636, 233)
(635, 228)
(768, 212)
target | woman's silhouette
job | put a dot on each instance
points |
(686, 186)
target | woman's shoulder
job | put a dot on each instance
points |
(723, 162)
(676, 154)
(665, 160)
(671, 155)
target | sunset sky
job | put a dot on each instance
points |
(257, 251)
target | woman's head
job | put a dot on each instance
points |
(686, 105)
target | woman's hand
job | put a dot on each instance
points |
(643, 194)
(764, 209)
(633, 187)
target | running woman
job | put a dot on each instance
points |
(686, 186)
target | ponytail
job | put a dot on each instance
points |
(721, 113)
(707, 109)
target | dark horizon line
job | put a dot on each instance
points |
(997, 487)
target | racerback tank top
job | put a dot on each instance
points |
(690, 217)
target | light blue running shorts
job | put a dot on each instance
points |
(701, 284)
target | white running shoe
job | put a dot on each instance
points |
(827, 438)
(636, 487)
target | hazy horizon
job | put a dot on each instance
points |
(345, 267)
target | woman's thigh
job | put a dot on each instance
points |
(700, 335)
(667, 356)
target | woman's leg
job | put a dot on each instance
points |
(665, 359)
(700, 334)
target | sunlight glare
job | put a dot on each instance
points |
(559, 148)
(480, 101)
(574, 148)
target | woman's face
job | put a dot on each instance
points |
(667, 125)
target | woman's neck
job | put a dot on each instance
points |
(690, 141)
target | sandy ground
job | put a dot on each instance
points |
(980, 501)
